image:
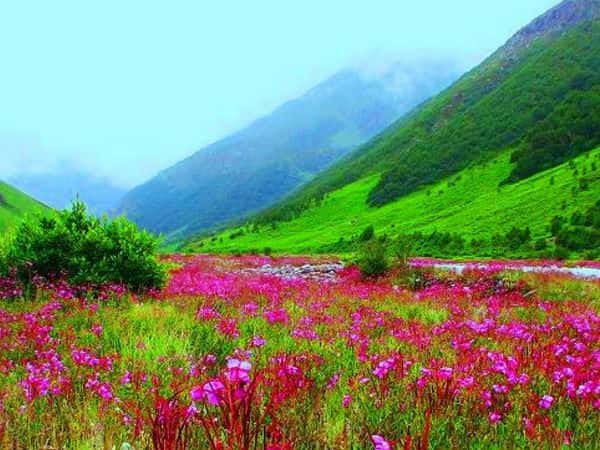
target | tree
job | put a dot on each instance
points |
(84, 249)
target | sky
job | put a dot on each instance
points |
(124, 89)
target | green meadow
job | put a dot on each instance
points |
(472, 202)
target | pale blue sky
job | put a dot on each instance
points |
(130, 87)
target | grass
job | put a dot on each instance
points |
(14, 205)
(471, 202)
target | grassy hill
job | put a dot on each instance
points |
(14, 205)
(492, 160)
(471, 202)
(538, 96)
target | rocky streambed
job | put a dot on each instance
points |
(316, 272)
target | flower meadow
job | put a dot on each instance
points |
(231, 357)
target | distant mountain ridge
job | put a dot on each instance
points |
(59, 188)
(257, 166)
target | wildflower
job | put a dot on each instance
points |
(212, 392)
(379, 443)
(238, 371)
(466, 382)
(333, 381)
(257, 341)
(250, 309)
(445, 373)
(97, 330)
(495, 417)
(126, 378)
(105, 391)
(228, 327)
(210, 359)
(346, 400)
(546, 402)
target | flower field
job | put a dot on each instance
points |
(230, 356)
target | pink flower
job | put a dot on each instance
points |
(250, 309)
(211, 392)
(126, 378)
(445, 373)
(333, 381)
(379, 443)
(105, 391)
(238, 371)
(257, 341)
(97, 330)
(546, 402)
(206, 313)
(346, 400)
(210, 359)
(495, 417)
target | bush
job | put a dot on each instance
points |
(373, 260)
(403, 248)
(367, 234)
(85, 249)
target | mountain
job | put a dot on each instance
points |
(14, 205)
(257, 166)
(60, 187)
(530, 108)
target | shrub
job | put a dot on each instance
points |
(373, 260)
(403, 247)
(85, 249)
(540, 244)
(367, 234)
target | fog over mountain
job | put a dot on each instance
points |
(64, 183)
(260, 164)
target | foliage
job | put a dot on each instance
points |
(367, 234)
(571, 129)
(579, 234)
(471, 205)
(373, 260)
(506, 102)
(85, 249)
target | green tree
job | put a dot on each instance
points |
(84, 249)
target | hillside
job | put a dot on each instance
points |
(14, 205)
(470, 203)
(538, 95)
(257, 166)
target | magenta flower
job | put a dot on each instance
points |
(346, 400)
(445, 373)
(546, 402)
(126, 378)
(379, 443)
(495, 417)
(212, 392)
(238, 371)
(105, 391)
(257, 341)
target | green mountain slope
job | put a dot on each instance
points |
(538, 95)
(471, 202)
(259, 165)
(14, 205)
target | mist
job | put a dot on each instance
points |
(125, 90)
